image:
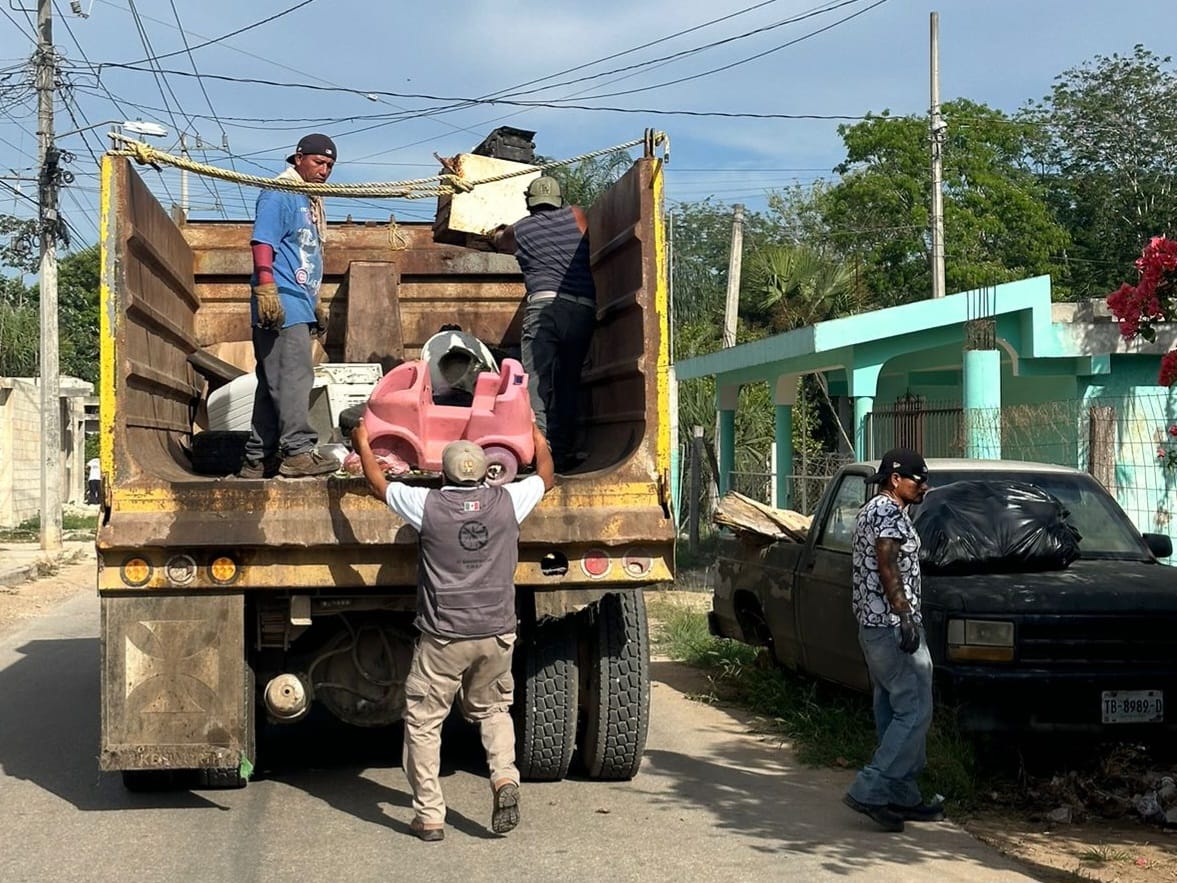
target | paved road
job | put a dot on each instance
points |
(711, 802)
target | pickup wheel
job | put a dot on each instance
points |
(546, 692)
(617, 704)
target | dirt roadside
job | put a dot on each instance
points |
(56, 584)
(1096, 850)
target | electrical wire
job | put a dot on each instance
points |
(208, 101)
(209, 42)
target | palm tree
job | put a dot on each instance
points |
(795, 285)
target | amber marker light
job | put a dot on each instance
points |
(223, 570)
(136, 572)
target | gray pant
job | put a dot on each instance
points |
(903, 713)
(476, 671)
(555, 341)
(281, 405)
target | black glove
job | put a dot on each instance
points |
(909, 634)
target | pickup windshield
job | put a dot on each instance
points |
(1105, 529)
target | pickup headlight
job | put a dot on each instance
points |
(980, 640)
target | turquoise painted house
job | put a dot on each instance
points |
(994, 373)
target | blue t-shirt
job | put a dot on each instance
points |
(283, 222)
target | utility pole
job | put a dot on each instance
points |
(48, 157)
(732, 306)
(937, 127)
(183, 180)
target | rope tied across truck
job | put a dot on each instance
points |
(442, 184)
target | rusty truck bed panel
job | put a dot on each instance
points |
(170, 290)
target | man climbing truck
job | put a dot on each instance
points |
(225, 602)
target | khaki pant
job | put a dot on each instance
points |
(481, 669)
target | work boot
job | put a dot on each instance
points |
(879, 813)
(921, 812)
(427, 832)
(267, 467)
(505, 816)
(307, 463)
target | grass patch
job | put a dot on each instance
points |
(826, 725)
(73, 527)
(1102, 855)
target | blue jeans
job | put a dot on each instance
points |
(903, 713)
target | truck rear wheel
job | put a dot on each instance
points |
(617, 704)
(546, 691)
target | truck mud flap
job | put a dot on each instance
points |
(176, 690)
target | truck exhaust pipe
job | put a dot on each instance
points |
(287, 698)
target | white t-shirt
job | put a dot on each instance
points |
(95, 470)
(409, 502)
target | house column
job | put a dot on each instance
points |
(982, 404)
(786, 397)
(727, 397)
(864, 382)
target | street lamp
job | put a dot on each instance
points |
(137, 127)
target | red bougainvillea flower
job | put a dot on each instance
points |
(1173, 429)
(1137, 307)
(1168, 375)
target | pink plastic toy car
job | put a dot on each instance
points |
(405, 424)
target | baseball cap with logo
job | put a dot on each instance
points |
(314, 145)
(463, 462)
(544, 191)
(901, 461)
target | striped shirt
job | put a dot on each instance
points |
(554, 254)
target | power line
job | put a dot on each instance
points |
(208, 101)
(743, 61)
(190, 49)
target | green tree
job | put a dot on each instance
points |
(998, 226)
(794, 285)
(18, 243)
(1109, 155)
(582, 182)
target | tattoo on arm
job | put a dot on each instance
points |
(887, 550)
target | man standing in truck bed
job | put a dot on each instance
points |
(552, 247)
(469, 538)
(287, 243)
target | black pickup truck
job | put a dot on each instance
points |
(1089, 649)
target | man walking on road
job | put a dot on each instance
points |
(552, 247)
(287, 244)
(886, 598)
(469, 539)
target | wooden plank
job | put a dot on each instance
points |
(745, 514)
(372, 331)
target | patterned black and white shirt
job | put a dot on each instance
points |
(883, 517)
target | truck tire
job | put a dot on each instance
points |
(617, 704)
(217, 452)
(546, 697)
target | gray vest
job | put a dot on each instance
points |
(466, 575)
(553, 254)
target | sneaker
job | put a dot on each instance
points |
(429, 833)
(505, 816)
(307, 463)
(921, 812)
(879, 813)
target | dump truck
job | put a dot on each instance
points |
(228, 603)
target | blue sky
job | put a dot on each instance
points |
(1000, 52)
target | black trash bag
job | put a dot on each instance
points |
(994, 526)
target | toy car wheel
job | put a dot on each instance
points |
(501, 465)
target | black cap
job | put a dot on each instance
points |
(314, 145)
(901, 461)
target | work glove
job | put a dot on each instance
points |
(909, 633)
(269, 306)
(322, 317)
